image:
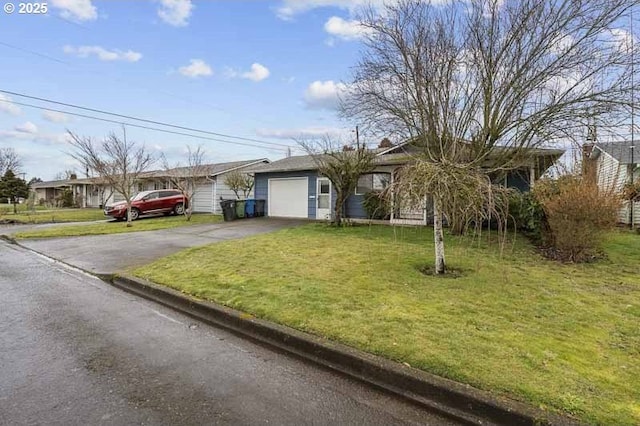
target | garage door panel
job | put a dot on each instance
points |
(288, 197)
(203, 198)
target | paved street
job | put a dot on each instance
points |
(112, 253)
(76, 351)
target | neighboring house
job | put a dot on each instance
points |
(613, 167)
(292, 187)
(49, 192)
(206, 198)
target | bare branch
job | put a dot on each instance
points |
(116, 161)
(186, 178)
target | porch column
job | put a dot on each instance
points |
(532, 176)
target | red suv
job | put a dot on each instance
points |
(165, 201)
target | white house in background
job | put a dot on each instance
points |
(614, 168)
(206, 198)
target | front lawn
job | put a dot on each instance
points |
(113, 227)
(52, 216)
(562, 337)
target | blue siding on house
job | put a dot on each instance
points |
(262, 187)
(354, 207)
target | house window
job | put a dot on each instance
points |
(372, 182)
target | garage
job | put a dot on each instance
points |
(288, 197)
(203, 198)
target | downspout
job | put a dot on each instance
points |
(214, 192)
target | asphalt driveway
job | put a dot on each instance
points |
(107, 254)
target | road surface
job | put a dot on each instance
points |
(76, 351)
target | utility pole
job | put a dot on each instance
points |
(357, 138)
(633, 113)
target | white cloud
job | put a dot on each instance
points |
(196, 68)
(258, 72)
(102, 53)
(302, 133)
(324, 94)
(289, 8)
(622, 39)
(55, 117)
(81, 10)
(28, 132)
(175, 12)
(27, 127)
(7, 106)
(346, 30)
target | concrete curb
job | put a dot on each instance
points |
(462, 402)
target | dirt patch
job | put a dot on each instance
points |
(430, 270)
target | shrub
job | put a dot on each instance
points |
(65, 198)
(528, 216)
(377, 205)
(577, 213)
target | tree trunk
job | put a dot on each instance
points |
(438, 236)
(337, 210)
(15, 207)
(128, 214)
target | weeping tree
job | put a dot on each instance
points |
(343, 167)
(479, 85)
(186, 178)
(117, 162)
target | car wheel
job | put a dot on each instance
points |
(179, 209)
(135, 213)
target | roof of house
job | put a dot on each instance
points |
(621, 151)
(53, 183)
(384, 156)
(211, 170)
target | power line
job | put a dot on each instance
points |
(32, 52)
(128, 117)
(142, 127)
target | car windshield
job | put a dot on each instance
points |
(141, 195)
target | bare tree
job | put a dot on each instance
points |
(186, 178)
(478, 85)
(117, 161)
(343, 167)
(239, 182)
(9, 160)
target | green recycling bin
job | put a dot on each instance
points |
(240, 209)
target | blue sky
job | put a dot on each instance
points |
(268, 70)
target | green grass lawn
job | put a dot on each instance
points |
(21, 208)
(113, 227)
(561, 337)
(41, 215)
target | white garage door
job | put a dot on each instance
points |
(288, 197)
(203, 198)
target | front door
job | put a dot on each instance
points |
(323, 208)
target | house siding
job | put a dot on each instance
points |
(261, 187)
(354, 207)
(612, 176)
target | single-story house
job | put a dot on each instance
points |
(614, 168)
(50, 191)
(293, 187)
(93, 193)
